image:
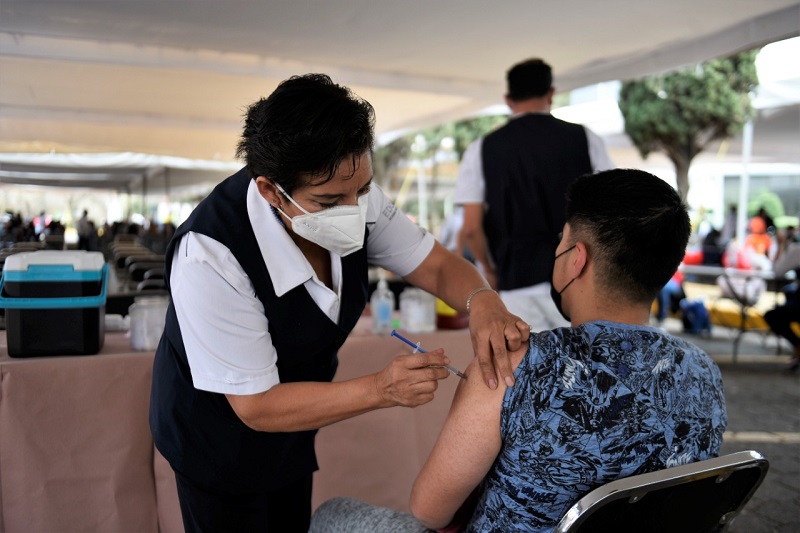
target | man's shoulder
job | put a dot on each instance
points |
(525, 124)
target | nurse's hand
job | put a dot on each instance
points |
(495, 332)
(411, 380)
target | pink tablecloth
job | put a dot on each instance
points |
(75, 448)
(76, 452)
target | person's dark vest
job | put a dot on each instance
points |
(528, 165)
(197, 431)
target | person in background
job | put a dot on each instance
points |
(267, 278)
(784, 319)
(758, 240)
(728, 232)
(607, 398)
(768, 220)
(712, 250)
(512, 184)
(84, 228)
(451, 237)
(669, 298)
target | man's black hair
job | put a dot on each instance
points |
(532, 78)
(635, 226)
(304, 130)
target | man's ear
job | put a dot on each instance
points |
(268, 191)
(579, 259)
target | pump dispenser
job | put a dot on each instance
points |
(382, 306)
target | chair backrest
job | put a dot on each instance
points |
(698, 497)
(153, 284)
(136, 270)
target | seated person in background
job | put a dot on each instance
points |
(784, 320)
(712, 251)
(669, 297)
(606, 398)
(787, 255)
(758, 240)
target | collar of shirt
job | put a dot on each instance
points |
(523, 113)
(286, 264)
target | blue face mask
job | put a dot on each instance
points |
(556, 295)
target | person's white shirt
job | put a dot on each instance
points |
(471, 183)
(226, 336)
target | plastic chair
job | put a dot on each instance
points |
(153, 284)
(698, 497)
(154, 273)
(136, 270)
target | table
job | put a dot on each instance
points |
(76, 452)
(711, 273)
(75, 448)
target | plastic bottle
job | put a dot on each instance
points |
(417, 310)
(147, 318)
(382, 306)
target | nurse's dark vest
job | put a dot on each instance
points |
(528, 165)
(198, 431)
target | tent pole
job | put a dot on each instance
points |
(144, 195)
(744, 185)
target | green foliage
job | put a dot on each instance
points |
(466, 131)
(463, 132)
(681, 112)
(387, 157)
(767, 199)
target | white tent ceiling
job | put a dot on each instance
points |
(173, 77)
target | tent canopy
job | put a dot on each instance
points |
(173, 78)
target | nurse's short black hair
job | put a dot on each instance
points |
(304, 130)
(635, 226)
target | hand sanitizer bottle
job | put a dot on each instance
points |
(382, 306)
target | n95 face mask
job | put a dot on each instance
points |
(338, 229)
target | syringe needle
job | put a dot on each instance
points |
(418, 348)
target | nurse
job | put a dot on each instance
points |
(267, 278)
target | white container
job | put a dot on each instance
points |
(147, 316)
(417, 311)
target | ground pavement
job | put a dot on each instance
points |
(763, 401)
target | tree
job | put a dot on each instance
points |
(386, 158)
(769, 202)
(680, 113)
(463, 132)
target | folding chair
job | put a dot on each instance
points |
(699, 497)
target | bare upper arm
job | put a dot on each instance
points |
(464, 452)
(467, 447)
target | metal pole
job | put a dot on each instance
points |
(422, 192)
(744, 186)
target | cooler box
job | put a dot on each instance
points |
(55, 302)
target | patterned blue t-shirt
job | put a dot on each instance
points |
(593, 404)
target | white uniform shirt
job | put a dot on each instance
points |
(471, 183)
(224, 329)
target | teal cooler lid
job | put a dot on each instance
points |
(55, 265)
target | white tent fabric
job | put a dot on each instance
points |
(173, 78)
(129, 172)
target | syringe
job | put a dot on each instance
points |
(418, 348)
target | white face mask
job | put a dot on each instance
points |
(338, 229)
